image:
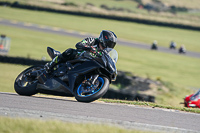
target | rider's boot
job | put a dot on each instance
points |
(68, 54)
(49, 66)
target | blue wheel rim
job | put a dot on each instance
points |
(80, 92)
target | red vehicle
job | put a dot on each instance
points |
(193, 100)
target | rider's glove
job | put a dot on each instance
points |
(89, 41)
(91, 49)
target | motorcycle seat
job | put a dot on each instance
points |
(52, 52)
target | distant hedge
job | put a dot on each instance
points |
(149, 22)
(21, 61)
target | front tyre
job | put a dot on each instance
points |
(91, 93)
(24, 85)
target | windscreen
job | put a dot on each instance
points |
(196, 96)
(113, 54)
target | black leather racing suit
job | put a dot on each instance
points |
(89, 43)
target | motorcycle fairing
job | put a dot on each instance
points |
(54, 84)
(57, 84)
(82, 69)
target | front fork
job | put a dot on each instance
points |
(89, 85)
(92, 80)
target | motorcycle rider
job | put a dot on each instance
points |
(107, 39)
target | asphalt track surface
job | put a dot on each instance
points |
(59, 31)
(134, 117)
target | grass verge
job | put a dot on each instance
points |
(22, 125)
(153, 105)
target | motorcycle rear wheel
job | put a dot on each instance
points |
(26, 87)
(97, 92)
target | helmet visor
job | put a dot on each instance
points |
(111, 44)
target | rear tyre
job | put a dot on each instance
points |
(25, 86)
(98, 90)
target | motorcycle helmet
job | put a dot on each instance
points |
(107, 39)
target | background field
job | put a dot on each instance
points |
(129, 8)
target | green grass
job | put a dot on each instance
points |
(8, 74)
(33, 44)
(22, 125)
(126, 30)
(173, 68)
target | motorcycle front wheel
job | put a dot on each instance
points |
(84, 93)
(24, 85)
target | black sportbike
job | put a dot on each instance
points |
(87, 77)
